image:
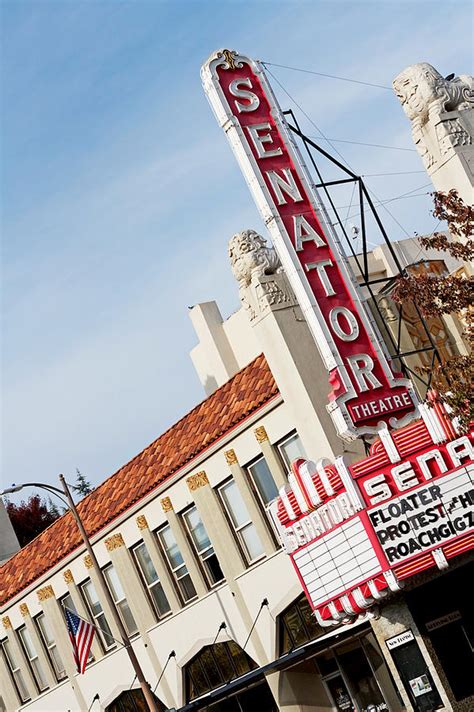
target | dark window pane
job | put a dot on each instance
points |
(264, 481)
(214, 569)
(298, 625)
(187, 587)
(213, 673)
(216, 665)
(243, 663)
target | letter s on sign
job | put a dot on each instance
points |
(377, 489)
(235, 90)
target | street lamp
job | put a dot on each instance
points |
(149, 697)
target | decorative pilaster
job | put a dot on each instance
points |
(196, 481)
(88, 563)
(19, 655)
(68, 577)
(54, 615)
(114, 542)
(130, 581)
(9, 693)
(217, 527)
(156, 555)
(166, 504)
(231, 457)
(45, 593)
(80, 607)
(261, 434)
(142, 522)
(271, 456)
(184, 546)
(38, 644)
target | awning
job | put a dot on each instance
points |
(288, 660)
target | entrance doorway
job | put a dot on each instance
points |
(356, 677)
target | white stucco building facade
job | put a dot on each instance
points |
(182, 532)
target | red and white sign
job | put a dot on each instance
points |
(355, 532)
(365, 391)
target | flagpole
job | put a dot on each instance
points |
(146, 689)
(104, 589)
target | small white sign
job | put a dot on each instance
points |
(400, 639)
(443, 620)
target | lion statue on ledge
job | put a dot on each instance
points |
(249, 256)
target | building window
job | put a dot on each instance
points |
(297, 626)
(98, 615)
(203, 547)
(51, 647)
(32, 656)
(263, 481)
(177, 565)
(17, 675)
(241, 522)
(291, 448)
(121, 603)
(152, 581)
(216, 665)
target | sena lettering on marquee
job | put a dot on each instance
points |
(356, 532)
(366, 392)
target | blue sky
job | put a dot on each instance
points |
(119, 193)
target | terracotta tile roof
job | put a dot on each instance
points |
(248, 390)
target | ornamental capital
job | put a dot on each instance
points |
(261, 434)
(142, 522)
(6, 622)
(114, 542)
(166, 504)
(88, 563)
(67, 576)
(231, 457)
(24, 610)
(45, 593)
(196, 481)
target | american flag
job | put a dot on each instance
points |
(81, 633)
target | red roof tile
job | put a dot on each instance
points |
(247, 391)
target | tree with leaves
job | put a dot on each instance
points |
(82, 485)
(30, 517)
(435, 295)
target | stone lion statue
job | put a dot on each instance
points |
(426, 96)
(249, 256)
(422, 90)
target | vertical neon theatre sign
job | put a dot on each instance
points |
(366, 394)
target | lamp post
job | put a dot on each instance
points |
(104, 590)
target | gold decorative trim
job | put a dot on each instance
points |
(231, 457)
(196, 481)
(67, 576)
(6, 622)
(45, 593)
(24, 610)
(261, 434)
(142, 522)
(166, 504)
(229, 58)
(114, 542)
(88, 563)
